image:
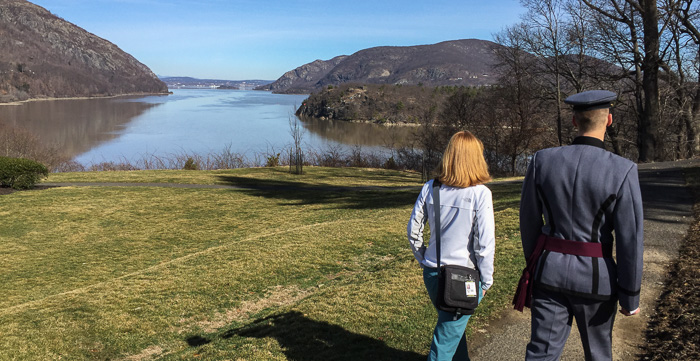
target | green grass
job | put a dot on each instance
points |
(285, 270)
(313, 176)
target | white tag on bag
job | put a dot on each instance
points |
(470, 287)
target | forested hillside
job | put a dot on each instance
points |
(466, 62)
(383, 104)
(42, 55)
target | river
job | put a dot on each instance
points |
(188, 122)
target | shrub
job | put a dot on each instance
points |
(391, 164)
(190, 164)
(20, 143)
(111, 166)
(20, 173)
(273, 160)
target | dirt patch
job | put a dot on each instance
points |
(147, 354)
(277, 297)
(673, 330)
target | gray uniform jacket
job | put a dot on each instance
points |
(585, 193)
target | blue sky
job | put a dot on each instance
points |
(262, 39)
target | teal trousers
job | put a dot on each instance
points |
(449, 341)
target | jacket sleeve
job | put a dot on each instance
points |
(485, 245)
(530, 210)
(417, 223)
(629, 240)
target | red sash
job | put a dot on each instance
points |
(523, 294)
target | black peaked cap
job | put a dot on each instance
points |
(592, 99)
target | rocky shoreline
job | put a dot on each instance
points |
(20, 102)
(377, 104)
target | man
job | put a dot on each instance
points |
(584, 193)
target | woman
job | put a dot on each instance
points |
(467, 233)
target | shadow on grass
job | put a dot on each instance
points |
(304, 339)
(300, 193)
(505, 195)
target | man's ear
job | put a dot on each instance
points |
(573, 121)
(609, 123)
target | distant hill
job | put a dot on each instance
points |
(175, 82)
(459, 62)
(42, 55)
(303, 79)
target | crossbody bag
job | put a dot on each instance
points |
(458, 286)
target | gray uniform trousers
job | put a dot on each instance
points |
(552, 314)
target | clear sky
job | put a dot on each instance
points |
(262, 39)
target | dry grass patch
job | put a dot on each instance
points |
(149, 353)
(276, 297)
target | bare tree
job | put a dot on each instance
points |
(519, 109)
(680, 71)
(460, 110)
(431, 138)
(296, 154)
(545, 37)
(629, 34)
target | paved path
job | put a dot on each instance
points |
(667, 214)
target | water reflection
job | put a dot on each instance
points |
(75, 125)
(202, 122)
(364, 134)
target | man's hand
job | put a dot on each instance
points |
(628, 313)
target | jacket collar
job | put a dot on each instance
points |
(589, 141)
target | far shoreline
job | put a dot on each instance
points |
(20, 102)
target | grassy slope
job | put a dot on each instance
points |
(256, 274)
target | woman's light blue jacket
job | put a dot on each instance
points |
(467, 229)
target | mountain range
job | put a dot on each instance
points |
(467, 62)
(42, 55)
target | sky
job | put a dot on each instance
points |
(263, 39)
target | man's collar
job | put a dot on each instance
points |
(589, 141)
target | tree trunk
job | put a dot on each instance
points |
(693, 125)
(559, 117)
(681, 148)
(614, 140)
(694, 120)
(651, 147)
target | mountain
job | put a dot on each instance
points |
(304, 78)
(42, 55)
(466, 62)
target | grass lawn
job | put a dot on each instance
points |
(284, 270)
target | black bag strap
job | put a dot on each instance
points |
(436, 209)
